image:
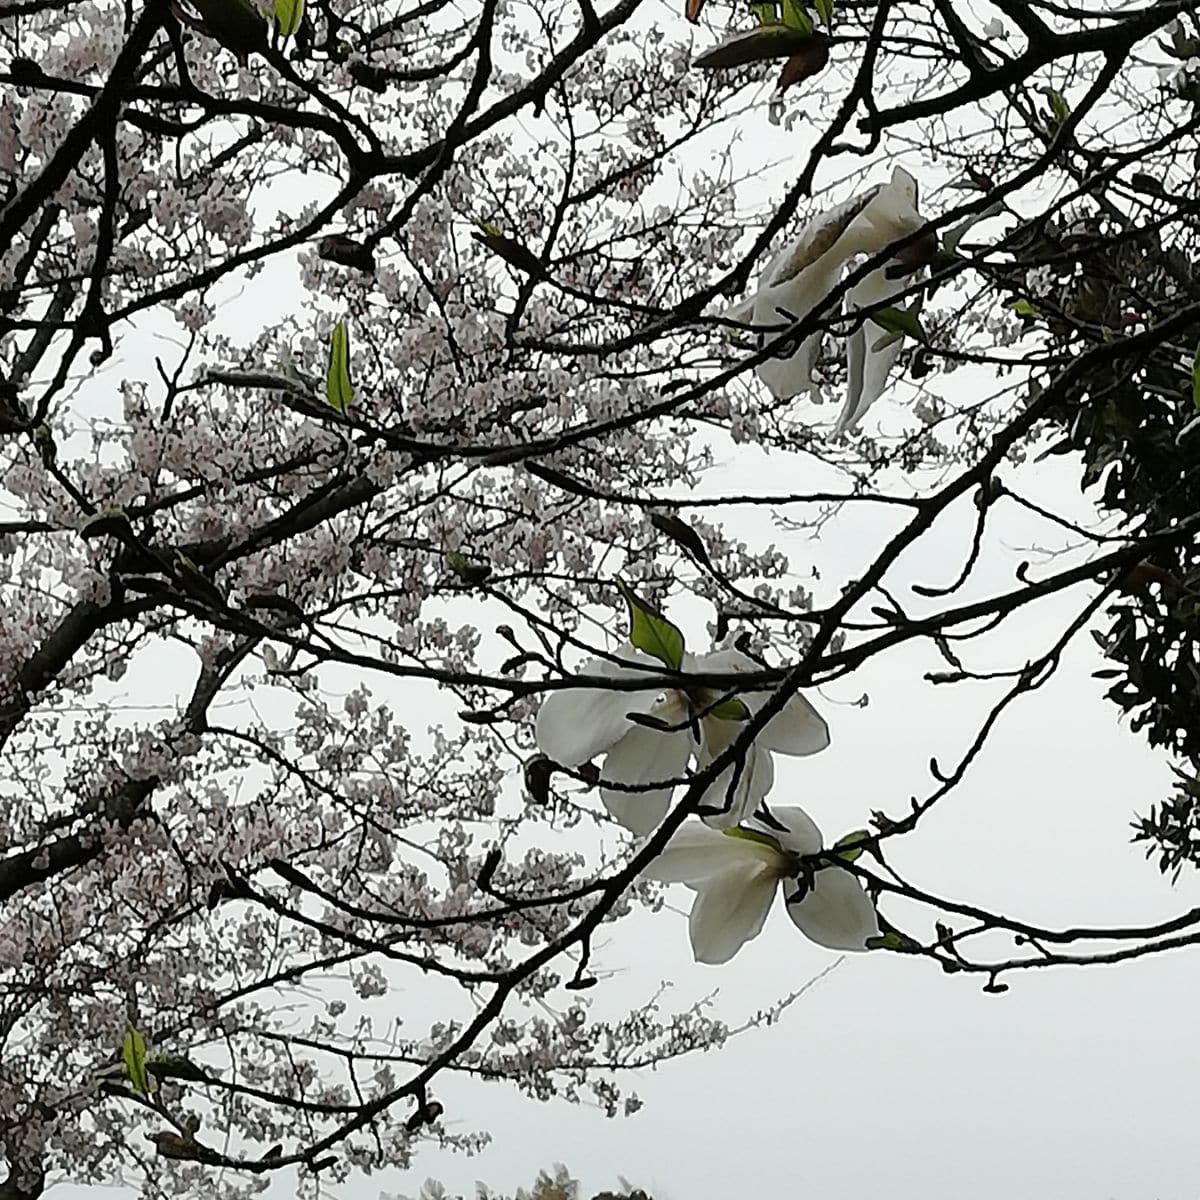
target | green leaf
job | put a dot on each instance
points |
(900, 320)
(133, 1052)
(795, 17)
(650, 631)
(893, 941)
(768, 41)
(855, 840)
(825, 12)
(766, 13)
(1023, 308)
(1059, 109)
(339, 391)
(288, 15)
(730, 709)
(1196, 378)
(468, 570)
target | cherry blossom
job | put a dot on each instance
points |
(648, 737)
(736, 872)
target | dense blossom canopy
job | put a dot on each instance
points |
(372, 375)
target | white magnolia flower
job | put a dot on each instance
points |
(798, 278)
(735, 874)
(576, 724)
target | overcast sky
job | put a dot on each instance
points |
(888, 1077)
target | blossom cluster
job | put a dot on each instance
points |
(740, 849)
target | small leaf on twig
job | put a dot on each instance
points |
(754, 45)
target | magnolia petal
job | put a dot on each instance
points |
(575, 724)
(867, 368)
(730, 909)
(794, 300)
(798, 278)
(696, 853)
(742, 311)
(794, 830)
(835, 913)
(797, 729)
(643, 756)
(735, 802)
(890, 214)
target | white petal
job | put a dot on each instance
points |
(695, 853)
(799, 834)
(836, 913)
(867, 369)
(575, 724)
(742, 311)
(798, 729)
(643, 756)
(730, 909)
(794, 300)
(734, 802)
(890, 215)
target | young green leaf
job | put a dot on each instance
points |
(795, 17)
(288, 15)
(766, 13)
(468, 570)
(133, 1052)
(825, 12)
(893, 941)
(1059, 111)
(900, 320)
(1023, 307)
(730, 709)
(761, 44)
(339, 391)
(855, 841)
(650, 631)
